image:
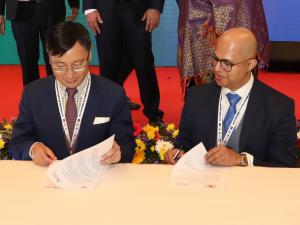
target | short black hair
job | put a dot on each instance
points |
(64, 36)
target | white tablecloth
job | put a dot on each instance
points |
(142, 194)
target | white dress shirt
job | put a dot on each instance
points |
(81, 89)
(243, 92)
(88, 11)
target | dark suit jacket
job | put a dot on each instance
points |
(39, 119)
(268, 131)
(106, 7)
(56, 7)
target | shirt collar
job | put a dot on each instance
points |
(242, 91)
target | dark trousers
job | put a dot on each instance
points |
(30, 26)
(124, 43)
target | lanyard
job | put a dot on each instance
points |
(79, 116)
(234, 122)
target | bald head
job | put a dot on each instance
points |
(236, 51)
(240, 41)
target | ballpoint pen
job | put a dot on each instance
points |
(176, 154)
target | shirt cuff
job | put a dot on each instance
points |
(88, 11)
(30, 150)
(250, 158)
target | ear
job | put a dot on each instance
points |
(49, 58)
(252, 64)
(90, 54)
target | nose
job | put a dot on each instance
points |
(217, 66)
(69, 74)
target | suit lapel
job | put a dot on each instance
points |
(87, 118)
(213, 114)
(252, 112)
(55, 119)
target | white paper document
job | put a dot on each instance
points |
(192, 170)
(81, 170)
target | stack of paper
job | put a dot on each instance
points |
(81, 170)
(192, 170)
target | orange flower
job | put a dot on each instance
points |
(139, 157)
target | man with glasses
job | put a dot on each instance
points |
(240, 120)
(72, 110)
(31, 20)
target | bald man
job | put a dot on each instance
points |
(240, 120)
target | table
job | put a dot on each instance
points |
(142, 194)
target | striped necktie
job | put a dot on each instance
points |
(233, 100)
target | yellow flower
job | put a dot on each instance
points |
(171, 126)
(139, 157)
(152, 148)
(150, 131)
(140, 145)
(149, 128)
(150, 135)
(175, 133)
(162, 147)
(8, 126)
(162, 153)
(2, 143)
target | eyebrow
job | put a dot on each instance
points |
(60, 62)
(222, 59)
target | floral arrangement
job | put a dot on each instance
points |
(5, 137)
(152, 142)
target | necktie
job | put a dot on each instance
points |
(71, 110)
(233, 100)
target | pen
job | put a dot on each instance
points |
(176, 154)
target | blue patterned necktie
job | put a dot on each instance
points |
(233, 100)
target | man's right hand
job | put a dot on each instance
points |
(2, 25)
(94, 20)
(42, 155)
(170, 154)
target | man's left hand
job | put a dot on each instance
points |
(113, 156)
(223, 156)
(74, 15)
(152, 17)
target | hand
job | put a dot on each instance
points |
(42, 155)
(94, 19)
(2, 25)
(152, 17)
(223, 156)
(113, 156)
(170, 155)
(74, 15)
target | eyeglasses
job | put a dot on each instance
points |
(74, 68)
(225, 63)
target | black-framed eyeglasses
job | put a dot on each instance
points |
(225, 63)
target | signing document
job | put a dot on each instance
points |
(191, 170)
(81, 170)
